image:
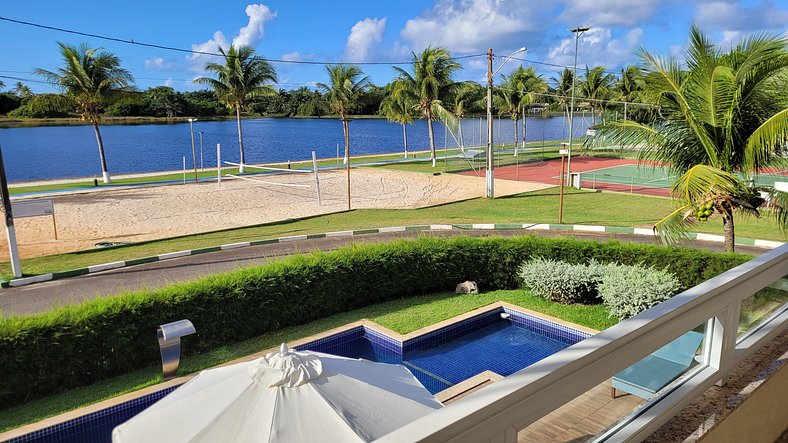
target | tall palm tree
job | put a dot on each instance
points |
(431, 82)
(723, 120)
(469, 97)
(399, 111)
(595, 86)
(90, 79)
(530, 87)
(343, 89)
(563, 89)
(629, 86)
(242, 77)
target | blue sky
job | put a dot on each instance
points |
(361, 31)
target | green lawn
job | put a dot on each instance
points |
(402, 316)
(580, 207)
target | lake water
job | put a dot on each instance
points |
(50, 152)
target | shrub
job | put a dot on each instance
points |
(102, 338)
(562, 282)
(628, 290)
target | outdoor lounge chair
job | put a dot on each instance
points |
(654, 372)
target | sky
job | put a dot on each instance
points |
(368, 31)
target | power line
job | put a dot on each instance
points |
(554, 65)
(195, 52)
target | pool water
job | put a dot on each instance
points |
(450, 355)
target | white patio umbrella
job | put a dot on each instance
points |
(285, 396)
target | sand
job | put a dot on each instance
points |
(155, 212)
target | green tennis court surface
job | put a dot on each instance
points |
(658, 176)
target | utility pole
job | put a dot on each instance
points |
(490, 180)
(578, 32)
(13, 252)
(194, 153)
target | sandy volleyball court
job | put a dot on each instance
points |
(147, 213)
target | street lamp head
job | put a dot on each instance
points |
(523, 49)
(580, 29)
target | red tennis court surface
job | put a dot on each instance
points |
(549, 172)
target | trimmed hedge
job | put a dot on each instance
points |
(102, 338)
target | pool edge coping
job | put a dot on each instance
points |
(129, 396)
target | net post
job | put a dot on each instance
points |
(184, 170)
(317, 178)
(632, 185)
(218, 163)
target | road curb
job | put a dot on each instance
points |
(348, 233)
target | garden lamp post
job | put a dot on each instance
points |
(578, 32)
(489, 174)
(194, 153)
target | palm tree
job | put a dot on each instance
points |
(22, 91)
(345, 85)
(430, 83)
(529, 86)
(563, 89)
(469, 97)
(242, 77)
(723, 120)
(400, 112)
(595, 87)
(629, 86)
(90, 79)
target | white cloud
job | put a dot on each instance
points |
(608, 12)
(364, 38)
(473, 25)
(725, 16)
(596, 47)
(168, 83)
(249, 35)
(292, 56)
(160, 64)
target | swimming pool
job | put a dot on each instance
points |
(439, 358)
(444, 357)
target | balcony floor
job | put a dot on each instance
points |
(581, 418)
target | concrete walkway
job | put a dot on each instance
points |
(43, 296)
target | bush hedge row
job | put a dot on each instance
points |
(78, 345)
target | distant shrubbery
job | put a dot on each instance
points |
(102, 338)
(626, 290)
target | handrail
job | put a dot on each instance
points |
(498, 411)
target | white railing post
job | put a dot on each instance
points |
(720, 342)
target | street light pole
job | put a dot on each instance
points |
(578, 32)
(202, 166)
(489, 173)
(490, 181)
(194, 153)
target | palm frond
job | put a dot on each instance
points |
(702, 181)
(675, 226)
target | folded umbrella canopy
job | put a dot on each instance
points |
(285, 396)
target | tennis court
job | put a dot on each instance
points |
(655, 180)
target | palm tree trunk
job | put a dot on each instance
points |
(104, 172)
(462, 141)
(523, 139)
(346, 131)
(405, 138)
(728, 229)
(432, 136)
(516, 130)
(240, 137)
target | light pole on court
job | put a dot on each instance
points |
(489, 173)
(578, 32)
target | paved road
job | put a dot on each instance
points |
(42, 296)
